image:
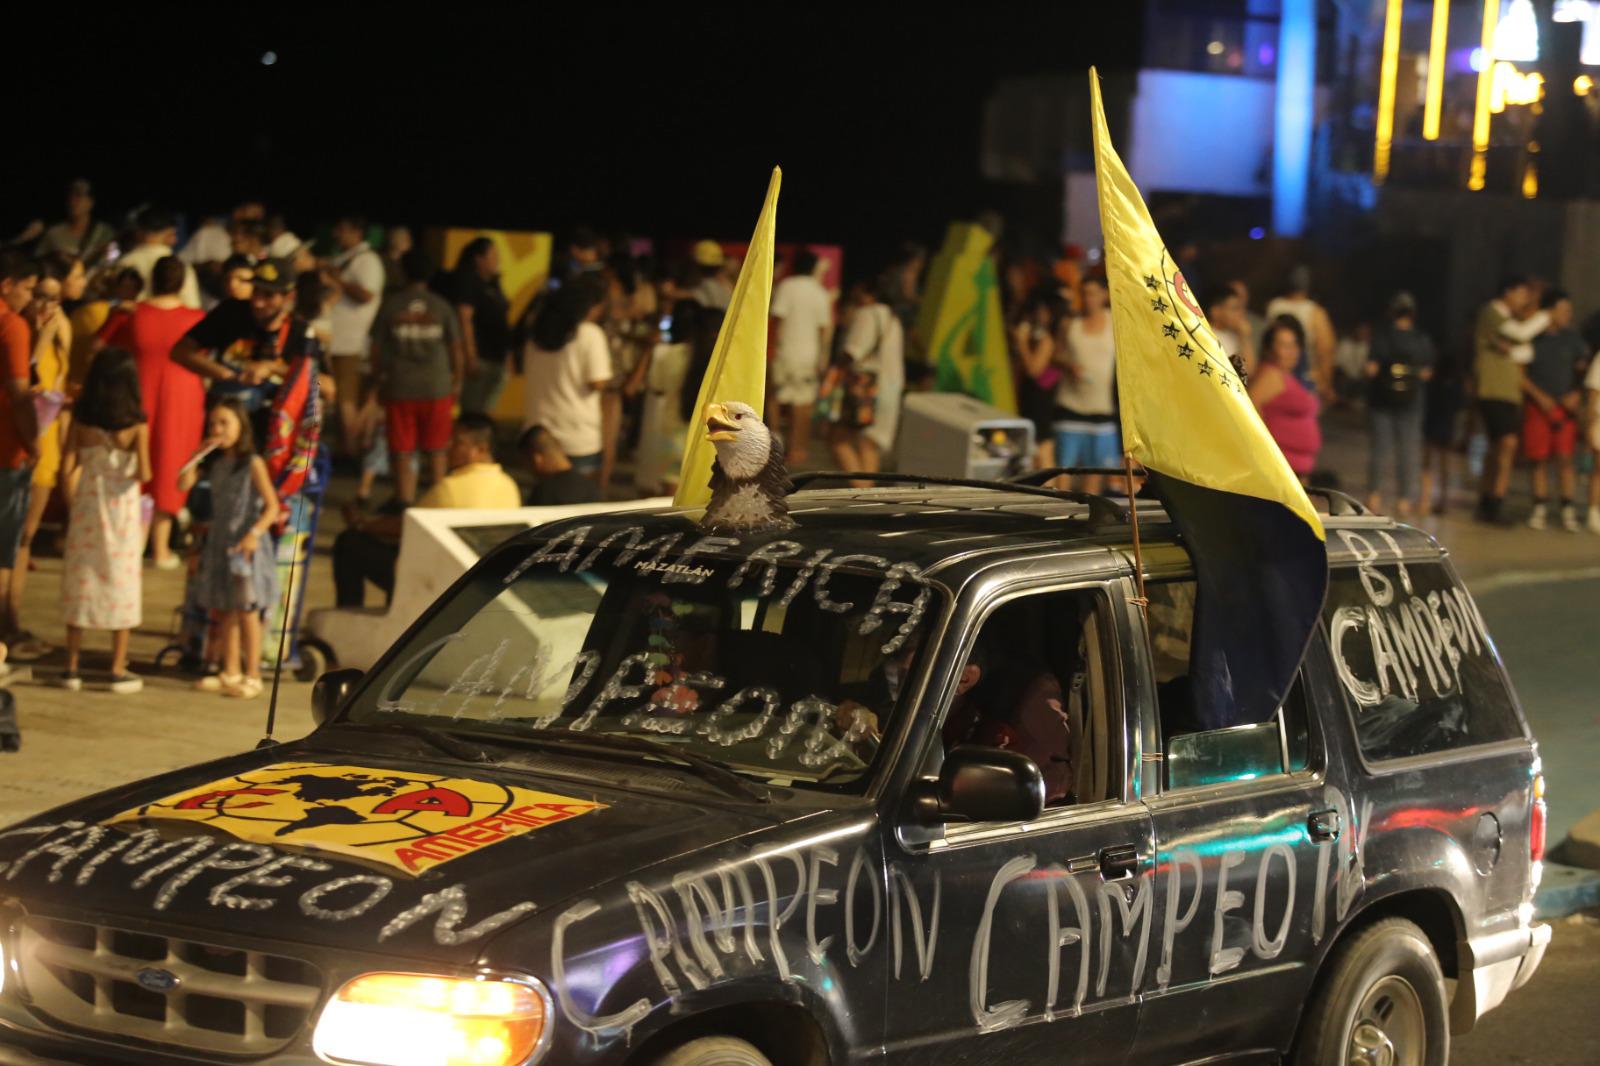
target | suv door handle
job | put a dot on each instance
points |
(1119, 862)
(1323, 826)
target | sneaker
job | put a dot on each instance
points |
(1594, 520)
(125, 683)
(171, 562)
(217, 682)
(1536, 520)
(1569, 519)
(71, 682)
(245, 688)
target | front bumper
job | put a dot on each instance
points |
(1489, 968)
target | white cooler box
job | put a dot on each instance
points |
(950, 434)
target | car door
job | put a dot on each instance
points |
(1246, 833)
(1027, 941)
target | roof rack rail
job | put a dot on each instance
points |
(1340, 503)
(1050, 473)
(1102, 511)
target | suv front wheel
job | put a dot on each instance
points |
(1382, 1003)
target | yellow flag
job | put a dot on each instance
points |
(738, 368)
(1185, 412)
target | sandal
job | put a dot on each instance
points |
(218, 682)
(25, 647)
(247, 688)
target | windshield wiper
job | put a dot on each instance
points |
(439, 739)
(699, 765)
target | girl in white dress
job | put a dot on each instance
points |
(107, 456)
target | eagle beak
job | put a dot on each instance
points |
(718, 425)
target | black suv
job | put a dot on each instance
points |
(917, 780)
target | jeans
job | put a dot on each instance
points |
(480, 392)
(1396, 442)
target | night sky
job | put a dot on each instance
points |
(535, 117)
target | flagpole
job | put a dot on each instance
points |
(1133, 519)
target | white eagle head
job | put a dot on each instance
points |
(742, 440)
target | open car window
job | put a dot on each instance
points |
(783, 665)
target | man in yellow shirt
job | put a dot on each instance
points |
(370, 544)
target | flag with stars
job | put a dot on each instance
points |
(1258, 546)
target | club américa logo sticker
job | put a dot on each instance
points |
(409, 821)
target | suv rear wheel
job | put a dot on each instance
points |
(714, 1051)
(1382, 1003)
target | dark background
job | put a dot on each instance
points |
(655, 122)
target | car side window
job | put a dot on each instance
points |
(1037, 681)
(1194, 757)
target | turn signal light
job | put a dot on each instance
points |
(401, 1019)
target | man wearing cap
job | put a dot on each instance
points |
(715, 290)
(243, 348)
(81, 236)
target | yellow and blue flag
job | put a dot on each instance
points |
(963, 322)
(1259, 549)
(738, 367)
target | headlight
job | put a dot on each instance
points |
(401, 1019)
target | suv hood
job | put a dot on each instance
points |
(390, 851)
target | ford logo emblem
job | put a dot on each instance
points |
(156, 979)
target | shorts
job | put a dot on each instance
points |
(1546, 436)
(349, 372)
(15, 488)
(418, 423)
(794, 382)
(1500, 418)
(1088, 444)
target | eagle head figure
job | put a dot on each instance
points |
(749, 482)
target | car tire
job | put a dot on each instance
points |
(714, 1051)
(1382, 987)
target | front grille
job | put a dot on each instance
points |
(224, 1000)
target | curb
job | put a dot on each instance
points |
(1566, 890)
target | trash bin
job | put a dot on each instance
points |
(949, 434)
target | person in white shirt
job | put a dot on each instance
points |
(873, 373)
(566, 363)
(282, 242)
(158, 233)
(1317, 326)
(804, 310)
(356, 274)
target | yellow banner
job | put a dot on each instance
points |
(409, 821)
(738, 368)
(1185, 412)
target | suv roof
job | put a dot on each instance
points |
(929, 522)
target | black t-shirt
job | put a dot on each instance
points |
(235, 337)
(491, 314)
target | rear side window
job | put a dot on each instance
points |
(1411, 650)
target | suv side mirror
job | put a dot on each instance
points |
(331, 690)
(979, 784)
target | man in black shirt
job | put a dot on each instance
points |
(485, 323)
(243, 348)
(559, 482)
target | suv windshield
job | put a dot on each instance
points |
(783, 665)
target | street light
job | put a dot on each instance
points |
(1435, 92)
(1480, 114)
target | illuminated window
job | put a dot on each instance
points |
(1516, 37)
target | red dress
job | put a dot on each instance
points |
(174, 398)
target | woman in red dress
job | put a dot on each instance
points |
(174, 398)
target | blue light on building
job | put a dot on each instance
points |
(1291, 154)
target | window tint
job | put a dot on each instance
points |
(1410, 650)
(1041, 687)
(1195, 757)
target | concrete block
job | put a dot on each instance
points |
(1582, 846)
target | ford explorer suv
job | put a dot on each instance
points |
(917, 780)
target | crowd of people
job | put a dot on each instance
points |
(147, 383)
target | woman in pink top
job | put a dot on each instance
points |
(1287, 407)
